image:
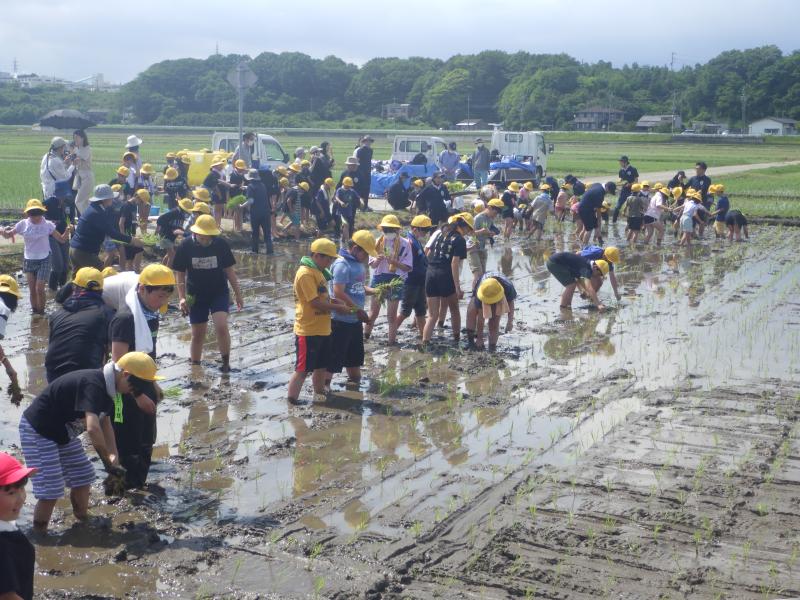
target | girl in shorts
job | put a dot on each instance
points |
(442, 284)
(36, 232)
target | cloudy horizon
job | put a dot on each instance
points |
(51, 38)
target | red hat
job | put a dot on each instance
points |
(11, 470)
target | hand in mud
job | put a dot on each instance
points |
(14, 392)
(601, 308)
(239, 303)
(184, 306)
(116, 471)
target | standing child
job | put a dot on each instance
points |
(562, 201)
(392, 262)
(9, 297)
(145, 182)
(347, 201)
(509, 199)
(723, 206)
(17, 554)
(36, 233)
(635, 205)
(541, 206)
(129, 215)
(414, 288)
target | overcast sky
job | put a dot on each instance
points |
(77, 38)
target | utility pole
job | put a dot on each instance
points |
(743, 98)
(468, 125)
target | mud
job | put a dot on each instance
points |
(650, 451)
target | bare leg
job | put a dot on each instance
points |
(223, 336)
(455, 316)
(433, 312)
(391, 315)
(79, 496)
(42, 513)
(374, 311)
(296, 385)
(198, 339)
(566, 296)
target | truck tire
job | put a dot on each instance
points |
(539, 175)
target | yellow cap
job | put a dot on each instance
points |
(522, 206)
(295, 167)
(326, 247)
(201, 208)
(365, 240)
(284, 182)
(328, 181)
(124, 171)
(496, 203)
(658, 185)
(490, 291)
(109, 272)
(218, 163)
(171, 174)
(185, 204)
(240, 164)
(157, 274)
(611, 254)
(186, 159)
(9, 285)
(465, 217)
(147, 169)
(303, 185)
(636, 187)
(422, 221)
(143, 195)
(603, 266)
(116, 188)
(545, 187)
(676, 192)
(390, 221)
(645, 184)
(130, 155)
(171, 155)
(89, 278)
(528, 186)
(281, 169)
(347, 182)
(720, 188)
(305, 163)
(201, 194)
(418, 183)
(139, 365)
(34, 204)
(513, 186)
(205, 225)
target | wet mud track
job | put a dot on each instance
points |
(649, 451)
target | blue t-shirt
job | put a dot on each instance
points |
(348, 271)
(417, 274)
(593, 198)
(595, 253)
(723, 205)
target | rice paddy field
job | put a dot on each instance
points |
(771, 192)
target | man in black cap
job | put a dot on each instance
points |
(364, 156)
(628, 175)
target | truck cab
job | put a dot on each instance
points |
(406, 147)
(267, 149)
(523, 146)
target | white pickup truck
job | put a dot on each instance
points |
(267, 149)
(406, 147)
(523, 146)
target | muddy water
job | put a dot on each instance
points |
(437, 450)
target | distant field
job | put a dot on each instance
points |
(582, 154)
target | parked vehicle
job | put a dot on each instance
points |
(267, 149)
(527, 147)
(406, 147)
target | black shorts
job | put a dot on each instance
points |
(507, 213)
(648, 220)
(439, 283)
(561, 273)
(131, 251)
(348, 341)
(312, 352)
(635, 223)
(589, 219)
(414, 299)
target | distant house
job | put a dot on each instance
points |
(651, 122)
(773, 126)
(471, 125)
(396, 111)
(597, 118)
(709, 128)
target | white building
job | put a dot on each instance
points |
(773, 126)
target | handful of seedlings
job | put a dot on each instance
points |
(236, 201)
(150, 239)
(114, 485)
(384, 290)
(14, 393)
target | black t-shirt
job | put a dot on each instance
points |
(258, 192)
(592, 198)
(508, 288)
(171, 220)
(175, 189)
(628, 174)
(77, 339)
(129, 214)
(509, 199)
(17, 558)
(123, 329)
(204, 266)
(364, 156)
(56, 213)
(57, 413)
(237, 181)
(700, 182)
(574, 263)
(445, 248)
(211, 183)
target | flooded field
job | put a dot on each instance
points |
(650, 451)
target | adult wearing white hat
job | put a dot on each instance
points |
(132, 145)
(56, 166)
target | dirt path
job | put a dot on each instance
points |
(713, 172)
(649, 451)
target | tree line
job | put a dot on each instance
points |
(523, 90)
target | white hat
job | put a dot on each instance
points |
(133, 141)
(351, 160)
(58, 142)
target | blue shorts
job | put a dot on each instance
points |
(58, 464)
(203, 306)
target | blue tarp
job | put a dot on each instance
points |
(466, 169)
(512, 164)
(381, 181)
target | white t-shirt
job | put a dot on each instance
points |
(432, 240)
(656, 206)
(5, 313)
(36, 237)
(116, 287)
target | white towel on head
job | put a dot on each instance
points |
(144, 338)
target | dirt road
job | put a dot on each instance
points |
(648, 451)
